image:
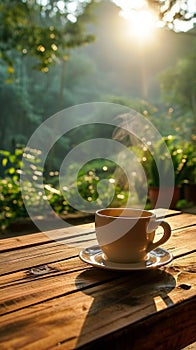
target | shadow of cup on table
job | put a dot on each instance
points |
(119, 298)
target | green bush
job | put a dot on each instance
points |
(88, 183)
(11, 199)
(182, 155)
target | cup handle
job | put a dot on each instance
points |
(164, 238)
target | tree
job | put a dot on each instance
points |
(44, 30)
(47, 29)
(178, 86)
(171, 11)
(168, 12)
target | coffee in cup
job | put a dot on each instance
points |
(127, 235)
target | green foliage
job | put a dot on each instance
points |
(171, 10)
(89, 183)
(41, 30)
(182, 156)
(84, 77)
(178, 84)
(190, 173)
(11, 198)
(11, 204)
(183, 204)
(89, 178)
(91, 174)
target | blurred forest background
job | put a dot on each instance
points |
(102, 61)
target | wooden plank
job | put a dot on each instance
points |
(181, 242)
(35, 257)
(45, 237)
(57, 279)
(145, 335)
(15, 287)
(159, 212)
(181, 221)
(25, 288)
(176, 222)
(96, 309)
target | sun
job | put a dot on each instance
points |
(140, 19)
(141, 25)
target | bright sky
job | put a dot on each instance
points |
(143, 22)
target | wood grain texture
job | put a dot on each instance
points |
(180, 242)
(44, 237)
(96, 308)
(50, 299)
(176, 220)
(181, 221)
(168, 331)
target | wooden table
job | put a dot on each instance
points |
(50, 299)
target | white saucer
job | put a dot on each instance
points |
(95, 257)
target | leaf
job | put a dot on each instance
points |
(5, 153)
(18, 151)
(11, 170)
(15, 178)
(12, 158)
(4, 161)
(10, 70)
(8, 81)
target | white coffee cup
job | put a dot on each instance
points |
(126, 235)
